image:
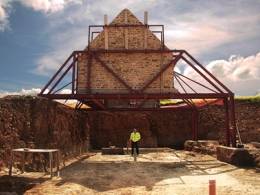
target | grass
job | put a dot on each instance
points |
(246, 99)
(249, 99)
(169, 101)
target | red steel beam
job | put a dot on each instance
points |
(129, 51)
(92, 34)
(62, 87)
(142, 103)
(201, 74)
(126, 25)
(73, 78)
(89, 29)
(76, 79)
(163, 46)
(195, 81)
(63, 74)
(233, 121)
(227, 121)
(55, 75)
(97, 104)
(174, 61)
(140, 109)
(178, 77)
(187, 101)
(113, 73)
(209, 73)
(137, 96)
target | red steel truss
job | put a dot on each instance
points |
(97, 101)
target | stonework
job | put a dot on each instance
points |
(136, 69)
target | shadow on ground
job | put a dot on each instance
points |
(110, 175)
(18, 184)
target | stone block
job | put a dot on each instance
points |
(113, 150)
(204, 146)
(256, 144)
(189, 144)
(235, 156)
(207, 143)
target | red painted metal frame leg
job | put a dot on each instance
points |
(233, 121)
(56, 74)
(227, 121)
(210, 74)
(201, 74)
(73, 78)
(176, 73)
(63, 74)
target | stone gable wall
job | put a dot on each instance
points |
(135, 68)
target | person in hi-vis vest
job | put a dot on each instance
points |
(135, 137)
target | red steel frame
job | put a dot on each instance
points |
(97, 101)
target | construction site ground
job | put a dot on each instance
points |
(156, 172)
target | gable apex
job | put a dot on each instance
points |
(125, 17)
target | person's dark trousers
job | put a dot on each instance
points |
(135, 145)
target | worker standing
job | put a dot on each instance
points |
(135, 137)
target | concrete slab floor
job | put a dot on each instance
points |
(161, 172)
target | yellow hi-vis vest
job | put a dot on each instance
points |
(135, 137)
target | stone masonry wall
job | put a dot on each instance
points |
(158, 129)
(172, 128)
(135, 68)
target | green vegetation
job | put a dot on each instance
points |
(169, 102)
(249, 99)
(246, 99)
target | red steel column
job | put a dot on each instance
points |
(227, 122)
(233, 121)
(73, 76)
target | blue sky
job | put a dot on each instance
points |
(36, 36)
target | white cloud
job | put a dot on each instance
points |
(93, 11)
(48, 6)
(65, 91)
(203, 35)
(240, 74)
(74, 39)
(45, 6)
(197, 38)
(35, 91)
(4, 14)
(31, 92)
